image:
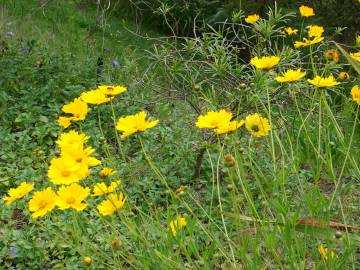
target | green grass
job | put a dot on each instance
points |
(245, 216)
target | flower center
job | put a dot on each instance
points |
(42, 204)
(255, 128)
(70, 200)
(65, 173)
(78, 160)
(110, 89)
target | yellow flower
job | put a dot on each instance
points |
(214, 119)
(332, 55)
(344, 76)
(258, 126)
(355, 56)
(71, 139)
(291, 31)
(102, 188)
(229, 126)
(95, 97)
(325, 252)
(18, 192)
(308, 42)
(42, 202)
(112, 90)
(87, 260)
(323, 82)
(252, 18)
(77, 108)
(79, 159)
(111, 204)
(134, 123)
(64, 121)
(107, 172)
(177, 224)
(291, 76)
(72, 197)
(265, 62)
(355, 93)
(315, 30)
(306, 11)
(61, 173)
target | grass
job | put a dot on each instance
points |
(271, 207)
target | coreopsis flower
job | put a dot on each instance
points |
(325, 252)
(111, 204)
(323, 82)
(258, 126)
(106, 172)
(77, 108)
(344, 76)
(307, 42)
(112, 90)
(18, 192)
(355, 93)
(290, 31)
(71, 139)
(332, 55)
(290, 76)
(229, 127)
(72, 196)
(355, 56)
(79, 159)
(61, 173)
(64, 122)
(134, 123)
(102, 189)
(306, 11)
(315, 30)
(177, 224)
(95, 97)
(252, 18)
(42, 202)
(265, 62)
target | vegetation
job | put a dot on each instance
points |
(235, 147)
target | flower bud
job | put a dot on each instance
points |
(87, 260)
(229, 161)
(344, 76)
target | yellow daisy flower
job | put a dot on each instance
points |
(61, 173)
(325, 252)
(290, 76)
(323, 82)
(102, 189)
(258, 126)
(18, 192)
(71, 139)
(112, 90)
(77, 108)
(252, 18)
(308, 42)
(228, 127)
(344, 76)
(79, 158)
(64, 122)
(111, 204)
(291, 31)
(72, 196)
(134, 123)
(306, 11)
(95, 97)
(42, 202)
(214, 119)
(177, 224)
(355, 56)
(265, 62)
(315, 30)
(355, 93)
(106, 172)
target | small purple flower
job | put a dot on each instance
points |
(115, 63)
(10, 34)
(13, 250)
